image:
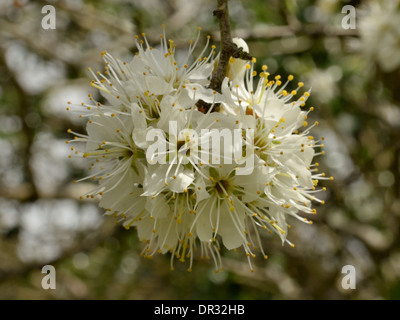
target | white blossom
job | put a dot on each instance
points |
(153, 155)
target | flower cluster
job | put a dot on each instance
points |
(160, 168)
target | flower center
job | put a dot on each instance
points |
(180, 144)
(222, 186)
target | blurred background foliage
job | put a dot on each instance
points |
(354, 75)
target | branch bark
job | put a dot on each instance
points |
(228, 49)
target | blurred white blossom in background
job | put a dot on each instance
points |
(379, 27)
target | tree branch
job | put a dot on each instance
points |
(228, 49)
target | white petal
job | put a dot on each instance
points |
(200, 190)
(154, 183)
(297, 166)
(157, 206)
(145, 228)
(203, 224)
(182, 181)
(167, 235)
(157, 85)
(231, 237)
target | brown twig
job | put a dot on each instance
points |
(228, 49)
